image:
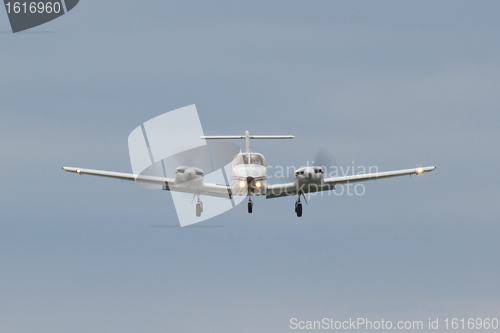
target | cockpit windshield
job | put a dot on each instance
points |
(251, 158)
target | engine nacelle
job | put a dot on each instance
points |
(309, 175)
(185, 174)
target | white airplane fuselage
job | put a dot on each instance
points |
(249, 174)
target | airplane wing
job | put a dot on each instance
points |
(169, 184)
(282, 190)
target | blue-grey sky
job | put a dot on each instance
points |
(396, 84)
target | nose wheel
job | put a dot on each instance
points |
(250, 205)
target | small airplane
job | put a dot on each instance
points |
(249, 177)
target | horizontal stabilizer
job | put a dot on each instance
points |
(247, 138)
(250, 137)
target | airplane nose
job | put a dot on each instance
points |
(309, 173)
(190, 173)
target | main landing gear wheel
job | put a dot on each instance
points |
(298, 206)
(250, 206)
(298, 209)
(199, 208)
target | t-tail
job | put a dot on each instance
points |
(247, 138)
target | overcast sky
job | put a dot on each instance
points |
(395, 84)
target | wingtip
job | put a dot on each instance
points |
(69, 169)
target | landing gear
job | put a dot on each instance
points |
(298, 207)
(199, 208)
(250, 206)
